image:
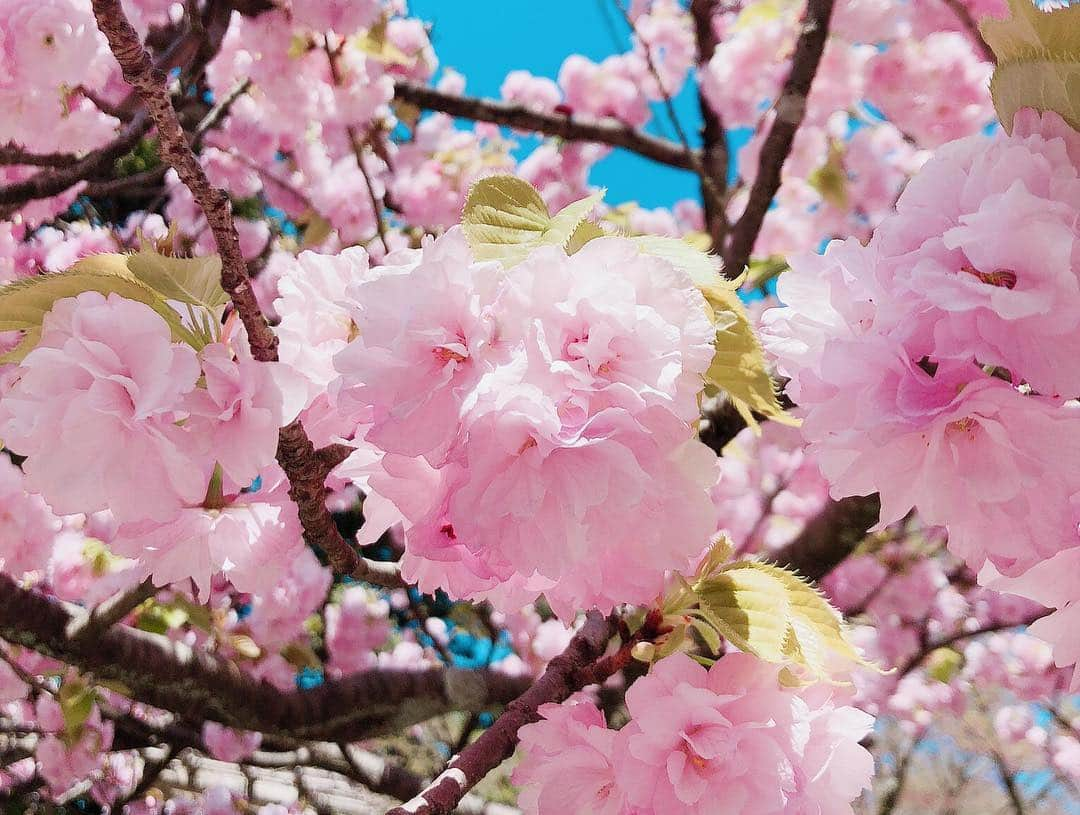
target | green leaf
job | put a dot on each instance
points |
(24, 303)
(772, 613)
(831, 179)
(565, 223)
(76, 700)
(1038, 61)
(505, 218)
(584, 233)
(738, 367)
(187, 280)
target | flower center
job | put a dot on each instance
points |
(444, 354)
(1002, 278)
(965, 425)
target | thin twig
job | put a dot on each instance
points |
(989, 628)
(606, 131)
(358, 151)
(709, 187)
(790, 109)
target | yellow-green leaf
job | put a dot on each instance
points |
(187, 280)
(24, 303)
(375, 43)
(738, 366)
(504, 217)
(749, 608)
(584, 233)
(1038, 61)
(830, 179)
(566, 221)
(27, 343)
(704, 269)
(316, 229)
(76, 700)
(772, 613)
(944, 664)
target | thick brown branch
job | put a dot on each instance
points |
(567, 673)
(12, 153)
(790, 109)
(197, 685)
(295, 451)
(48, 183)
(713, 136)
(608, 131)
(831, 536)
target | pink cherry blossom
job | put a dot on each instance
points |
(277, 616)
(95, 406)
(568, 762)
(27, 525)
(355, 628)
(701, 738)
(226, 744)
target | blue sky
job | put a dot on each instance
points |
(485, 39)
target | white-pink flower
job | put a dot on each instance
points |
(731, 739)
(95, 408)
(567, 763)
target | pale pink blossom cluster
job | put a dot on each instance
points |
(106, 368)
(887, 88)
(534, 426)
(939, 357)
(727, 739)
(769, 487)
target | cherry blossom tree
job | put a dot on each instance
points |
(356, 458)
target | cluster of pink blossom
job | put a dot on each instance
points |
(535, 427)
(191, 430)
(887, 86)
(768, 488)
(699, 741)
(942, 354)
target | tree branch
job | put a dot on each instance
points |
(831, 536)
(47, 183)
(567, 673)
(790, 110)
(295, 451)
(14, 154)
(713, 136)
(971, 25)
(109, 612)
(944, 642)
(606, 131)
(197, 685)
